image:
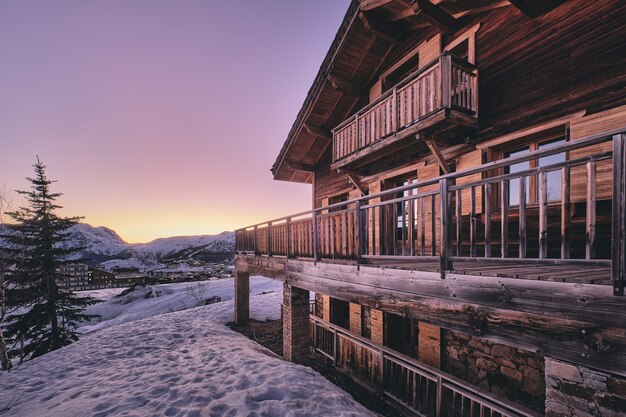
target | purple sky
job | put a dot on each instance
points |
(159, 118)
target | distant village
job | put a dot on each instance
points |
(81, 277)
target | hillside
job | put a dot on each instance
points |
(103, 246)
(146, 359)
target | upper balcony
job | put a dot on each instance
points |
(437, 100)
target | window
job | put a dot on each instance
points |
(402, 208)
(340, 313)
(338, 199)
(401, 334)
(401, 72)
(543, 140)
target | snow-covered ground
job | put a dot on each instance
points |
(143, 358)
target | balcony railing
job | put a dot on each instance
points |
(447, 82)
(456, 217)
(421, 388)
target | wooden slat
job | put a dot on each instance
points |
(473, 221)
(565, 212)
(504, 218)
(618, 244)
(459, 221)
(591, 211)
(488, 200)
(543, 215)
(522, 217)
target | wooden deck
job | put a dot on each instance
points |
(587, 274)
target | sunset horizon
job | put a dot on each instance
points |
(137, 109)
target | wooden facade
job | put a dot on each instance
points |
(468, 165)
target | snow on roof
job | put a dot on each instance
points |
(180, 363)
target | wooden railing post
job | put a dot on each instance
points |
(618, 242)
(439, 396)
(335, 346)
(256, 252)
(359, 232)
(288, 237)
(445, 227)
(315, 237)
(445, 68)
(269, 239)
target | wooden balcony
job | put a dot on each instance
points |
(459, 224)
(440, 97)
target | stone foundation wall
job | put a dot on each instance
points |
(506, 371)
(573, 390)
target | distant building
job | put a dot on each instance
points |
(80, 276)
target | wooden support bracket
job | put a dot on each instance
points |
(437, 154)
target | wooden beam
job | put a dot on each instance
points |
(356, 182)
(299, 166)
(344, 85)
(373, 4)
(535, 8)
(436, 16)
(317, 131)
(381, 29)
(437, 154)
(571, 322)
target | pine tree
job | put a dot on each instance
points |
(39, 239)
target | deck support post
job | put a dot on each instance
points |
(618, 243)
(445, 229)
(242, 298)
(295, 324)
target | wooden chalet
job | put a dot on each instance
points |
(466, 242)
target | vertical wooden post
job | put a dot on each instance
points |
(359, 145)
(288, 237)
(394, 112)
(438, 404)
(459, 221)
(360, 232)
(504, 218)
(522, 217)
(445, 227)
(422, 227)
(335, 346)
(269, 239)
(487, 220)
(256, 252)
(445, 66)
(315, 237)
(618, 242)
(591, 210)
(543, 215)
(565, 212)
(473, 222)
(411, 230)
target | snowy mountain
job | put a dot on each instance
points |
(102, 246)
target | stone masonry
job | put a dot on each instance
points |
(242, 298)
(508, 372)
(295, 324)
(574, 390)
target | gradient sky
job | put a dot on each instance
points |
(159, 118)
